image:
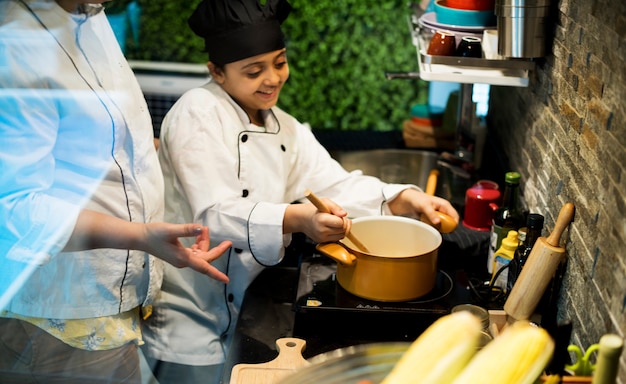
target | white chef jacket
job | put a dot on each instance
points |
(75, 133)
(237, 178)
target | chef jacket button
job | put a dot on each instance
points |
(143, 265)
(244, 193)
(231, 297)
(238, 250)
(244, 138)
(283, 148)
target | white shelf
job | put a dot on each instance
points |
(467, 70)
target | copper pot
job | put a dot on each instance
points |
(401, 264)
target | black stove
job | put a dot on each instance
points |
(318, 290)
(329, 317)
(301, 298)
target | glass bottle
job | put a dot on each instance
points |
(513, 270)
(534, 226)
(507, 217)
(502, 260)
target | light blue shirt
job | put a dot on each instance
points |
(75, 133)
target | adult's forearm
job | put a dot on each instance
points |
(98, 230)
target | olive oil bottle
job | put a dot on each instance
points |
(534, 226)
(508, 217)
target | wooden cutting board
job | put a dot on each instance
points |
(289, 359)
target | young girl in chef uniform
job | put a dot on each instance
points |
(234, 161)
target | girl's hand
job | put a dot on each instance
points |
(333, 226)
(319, 226)
(412, 203)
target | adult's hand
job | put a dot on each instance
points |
(97, 230)
(163, 242)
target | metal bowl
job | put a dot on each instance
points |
(371, 362)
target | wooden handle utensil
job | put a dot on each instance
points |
(541, 265)
(431, 182)
(447, 223)
(319, 204)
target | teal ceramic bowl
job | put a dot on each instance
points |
(463, 17)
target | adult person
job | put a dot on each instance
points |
(256, 161)
(81, 200)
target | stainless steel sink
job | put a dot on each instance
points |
(408, 166)
(402, 166)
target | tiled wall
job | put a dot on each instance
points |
(566, 134)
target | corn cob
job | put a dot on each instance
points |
(517, 356)
(439, 353)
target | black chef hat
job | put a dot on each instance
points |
(236, 29)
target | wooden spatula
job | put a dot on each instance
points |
(319, 204)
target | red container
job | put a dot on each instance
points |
(473, 5)
(481, 201)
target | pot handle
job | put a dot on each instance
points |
(446, 225)
(337, 252)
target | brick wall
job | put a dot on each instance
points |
(566, 134)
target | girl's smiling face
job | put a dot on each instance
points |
(255, 82)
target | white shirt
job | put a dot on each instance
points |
(76, 133)
(237, 178)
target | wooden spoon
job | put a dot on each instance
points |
(319, 204)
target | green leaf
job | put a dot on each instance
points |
(338, 52)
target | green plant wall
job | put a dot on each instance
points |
(338, 52)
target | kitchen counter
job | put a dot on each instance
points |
(268, 311)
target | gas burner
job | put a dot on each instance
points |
(318, 290)
(443, 287)
(329, 317)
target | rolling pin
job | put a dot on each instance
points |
(541, 265)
